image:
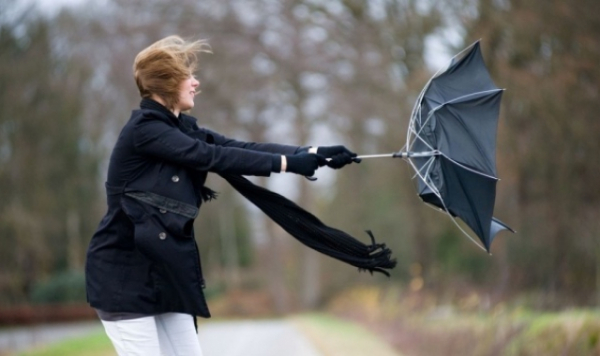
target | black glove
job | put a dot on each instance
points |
(304, 163)
(330, 151)
(340, 160)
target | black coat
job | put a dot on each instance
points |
(143, 257)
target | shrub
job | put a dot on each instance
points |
(63, 287)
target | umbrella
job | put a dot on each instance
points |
(451, 144)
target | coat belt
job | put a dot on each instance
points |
(156, 200)
(168, 204)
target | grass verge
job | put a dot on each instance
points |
(422, 323)
(96, 344)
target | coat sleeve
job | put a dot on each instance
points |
(158, 138)
(221, 140)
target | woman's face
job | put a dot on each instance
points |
(187, 91)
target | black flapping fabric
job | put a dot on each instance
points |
(313, 233)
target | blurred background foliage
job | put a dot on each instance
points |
(315, 72)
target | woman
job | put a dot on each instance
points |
(143, 272)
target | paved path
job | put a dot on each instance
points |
(23, 338)
(254, 338)
(222, 338)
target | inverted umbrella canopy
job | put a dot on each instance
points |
(451, 143)
(456, 118)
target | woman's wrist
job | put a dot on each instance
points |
(283, 164)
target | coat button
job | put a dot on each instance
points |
(175, 178)
(163, 211)
(162, 236)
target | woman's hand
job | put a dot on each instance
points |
(340, 160)
(303, 163)
(330, 151)
(338, 156)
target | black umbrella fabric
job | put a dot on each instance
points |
(452, 143)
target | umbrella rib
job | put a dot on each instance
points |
(416, 111)
(418, 136)
(433, 111)
(417, 106)
(426, 181)
(463, 230)
(425, 166)
(429, 167)
(463, 97)
(418, 173)
(468, 168)
(445, 209)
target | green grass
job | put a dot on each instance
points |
(333, 336)
(96, 344)
(569, 333)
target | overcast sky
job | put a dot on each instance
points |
(53, 4)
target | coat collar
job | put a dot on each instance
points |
(150, 104)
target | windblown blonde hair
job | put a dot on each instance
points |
(161, 68)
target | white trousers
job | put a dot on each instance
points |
(170, 334)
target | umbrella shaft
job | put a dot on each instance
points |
(401, 155)
(383, 155)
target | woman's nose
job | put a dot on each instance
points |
(195, 82)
